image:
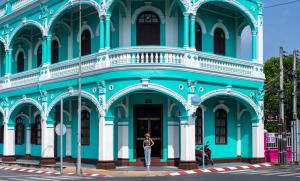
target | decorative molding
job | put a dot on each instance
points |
(85, 27)
(202, 24)
(232, 93)
(221, 106)
(87, 95)
(21, 26)
(148, 7)
(151, 86)
(220, 24)
(24, 101)
(69, 4)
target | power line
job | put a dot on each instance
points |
(282, 4)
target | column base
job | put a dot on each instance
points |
(47, 161)
(187, 165)
(106, 165)
(254, 160)
(68, 159)
(27, 157)
(9, 158)
(122, 162)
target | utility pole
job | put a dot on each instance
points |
(294, 121)
(78, 168)
(282, 127)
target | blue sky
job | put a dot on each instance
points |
(281, 28)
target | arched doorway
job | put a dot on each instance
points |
(219, 42)
(148, 29)
(198, 35)
(85, 42)
(20, 62)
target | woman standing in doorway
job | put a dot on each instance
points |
(147, 144)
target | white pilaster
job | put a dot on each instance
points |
(47, 140)
(69, 140)
(106, 140)
(28, 136)
(123, 140)
(258, 140)
(238, 139)
(187, 139)
(9, 140)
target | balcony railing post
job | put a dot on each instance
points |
(186, 30)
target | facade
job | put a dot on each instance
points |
(145, 65)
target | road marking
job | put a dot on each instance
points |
(275, 173)
(39, 178)
(291, 174)
(19, 179)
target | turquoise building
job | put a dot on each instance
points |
(157, 66)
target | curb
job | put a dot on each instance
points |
(29, 170)
(214, 170)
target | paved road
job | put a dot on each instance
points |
(268, 174)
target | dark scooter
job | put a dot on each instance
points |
(207, 155)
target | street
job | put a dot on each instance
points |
(268, 174)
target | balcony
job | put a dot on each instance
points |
(135, 57)
(7, 7)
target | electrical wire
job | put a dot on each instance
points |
(282, 4)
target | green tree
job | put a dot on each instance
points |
(271, 70)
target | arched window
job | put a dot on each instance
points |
(20, 62)
(39, 56)
(198, 126)
(19, 132)
(219, 42)
(148, 29)
(36, 131)
(54, 51)
(85, 127)
(198, 34)
(85, 42)
(221, 126)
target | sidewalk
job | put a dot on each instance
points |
(32, 166)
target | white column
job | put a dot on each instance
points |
(9, 140)
(28, 137)
(258, 140)
(260, 40)
(106, 140)
(187, 140)
(239, 139)
(123, 140)
(69, 141)
(47, 140)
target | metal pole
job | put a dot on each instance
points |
(203, 151)
(61, 136)
(281, 134)
(78, 168)
(294, 128)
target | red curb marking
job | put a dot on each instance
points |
(198, 171)
(214, 170)
(227, 169)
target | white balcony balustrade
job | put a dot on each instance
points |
(145, 57)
